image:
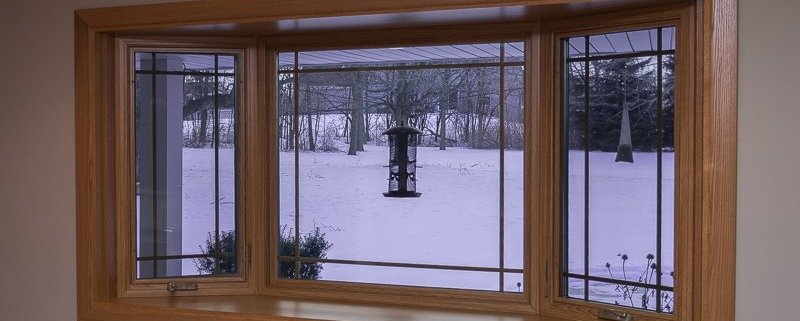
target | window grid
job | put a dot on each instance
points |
(154, 73)
(297, 259)
(585, 59)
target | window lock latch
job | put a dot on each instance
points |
(173, 287)
(607, 314)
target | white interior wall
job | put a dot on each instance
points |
(37, 180)
(768, 217)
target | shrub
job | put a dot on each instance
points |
(312, 245)
(227, 254)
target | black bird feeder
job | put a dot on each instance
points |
(402, 161)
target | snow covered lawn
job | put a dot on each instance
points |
(454, 222)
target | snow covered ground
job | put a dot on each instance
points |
(454, 222)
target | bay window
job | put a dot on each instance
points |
(239, 161)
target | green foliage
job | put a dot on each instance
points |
(312, 245)
(225, 250)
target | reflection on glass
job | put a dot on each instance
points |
(185, 165)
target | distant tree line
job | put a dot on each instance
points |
(451, 106)
(612, 84)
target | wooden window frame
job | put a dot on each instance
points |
(127, 283)
(106, 289)
(551, 143)
(380, 293)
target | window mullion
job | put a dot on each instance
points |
(217, 249)
(502, 148)
(659, 176)
(296, 137)
(586, 131)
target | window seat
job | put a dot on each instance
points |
(271, 308)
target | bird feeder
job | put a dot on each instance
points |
(402, 161)
(625, 148)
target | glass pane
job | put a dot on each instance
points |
(622, 43)
(404, 276)
(575, 288)
(515, 52)
(622, 195)
(185, 168)
(630, 296)
(616, 294)
(287, 164)
(513, 282)
(227, 64)
(343, 155)
(668, 172)
(630, 167)
(363, 224)
(668, 38)
(576, 176)
(226, 152)
(514, 177)
(404, 56)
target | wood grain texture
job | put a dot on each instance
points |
(717, 253)
(273, 177)
(230, 13)
(271, 308)
(86, 187)
(532, 255)
(685, 167)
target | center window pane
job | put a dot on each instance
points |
(392, 162)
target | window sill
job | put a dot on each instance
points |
(271, 308)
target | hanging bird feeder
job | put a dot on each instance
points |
(402, 161)
(625, 148)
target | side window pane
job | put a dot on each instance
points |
(185, 164)
(618, 217)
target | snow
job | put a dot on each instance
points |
(454, 222)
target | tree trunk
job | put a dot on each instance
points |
(310, 131)
(357, 116)
(402, 102)
(444, 103)
(203, 134)
(309, 121)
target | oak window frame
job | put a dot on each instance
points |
(384, 293)
(552, 143)
(710, 276)
(128, 285)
